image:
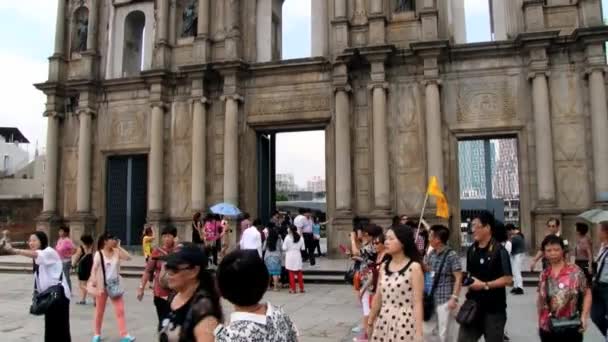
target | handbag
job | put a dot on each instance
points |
(113, 288)
(470, 309)
(468, 313)
(564, 325)
(429, 300)
(43, 301)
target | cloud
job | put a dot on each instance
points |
(22, 104)
(42, 11)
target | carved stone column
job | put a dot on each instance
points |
(156, 159)
(434, 145)
(545, 176)
(60, 28)
(343, 149)
(599, 130)
(83, 222)
(199, 149)
(92, 28)
(49, 203)
(377, 23)
(162, 56)
(380, 142)
(320, 30)
(340, 26)
(202, 43)
(83, 181)
(233, 34)
(231, 148)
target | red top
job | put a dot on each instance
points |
(563, 293)
(156, 265)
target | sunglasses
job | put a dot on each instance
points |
(177, 268)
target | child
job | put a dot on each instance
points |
(147, 241)
(251, 320)
(293, 245)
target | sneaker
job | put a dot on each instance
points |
(127, 338)
(96, 338)
(357, 329)
(519, 291)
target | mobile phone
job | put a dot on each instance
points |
(467, 280)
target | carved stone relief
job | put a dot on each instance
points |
(127, 129)
(481, 101)
(296, 103)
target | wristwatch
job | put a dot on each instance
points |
(486, 286)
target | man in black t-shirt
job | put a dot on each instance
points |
(489, 265)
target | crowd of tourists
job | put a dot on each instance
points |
(407, 279)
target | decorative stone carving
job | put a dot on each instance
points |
(287, 104)
(127, 129)
(484, 101)
(573, 194)
(81, 29)
(190, 19)
(404, 5)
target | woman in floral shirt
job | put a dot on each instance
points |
(562, 294)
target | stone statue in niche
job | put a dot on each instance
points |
(405, 5)
(189, 19)
(81, 33)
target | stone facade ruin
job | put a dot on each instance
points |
(393, 89)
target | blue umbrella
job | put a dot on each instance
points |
(225, 209)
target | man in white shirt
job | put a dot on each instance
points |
(252, 239)
(304, 224)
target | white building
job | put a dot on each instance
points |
(20, 178)
(315, 184)
(285, 183)
(13, 156)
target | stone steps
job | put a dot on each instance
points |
(310, 276)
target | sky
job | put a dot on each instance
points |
(27, 32)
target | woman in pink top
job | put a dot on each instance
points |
(65, 249)
(211, 235)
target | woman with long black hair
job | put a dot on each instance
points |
(293, 246)
(397, 309)
(272, 256)
(195, 305)
(48, 272)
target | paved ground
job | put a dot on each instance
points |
(326, 313)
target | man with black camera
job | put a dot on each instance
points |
(489, 268)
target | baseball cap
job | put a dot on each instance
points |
(186, 253)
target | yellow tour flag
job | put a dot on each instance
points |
(442, 202)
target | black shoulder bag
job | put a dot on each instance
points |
(469, 311)
(43, 301)
(429, 300)
(564, 325)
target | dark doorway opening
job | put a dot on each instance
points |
(126, 199)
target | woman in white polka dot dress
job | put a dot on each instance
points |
(397, 309)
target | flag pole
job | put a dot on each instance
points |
(426, 199)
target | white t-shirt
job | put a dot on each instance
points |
(50, 269)
(111, 264)
(252, 239)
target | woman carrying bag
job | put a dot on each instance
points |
(52, 293)
(105, 282)
(564, 299)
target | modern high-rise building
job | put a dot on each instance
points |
(505, 175)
